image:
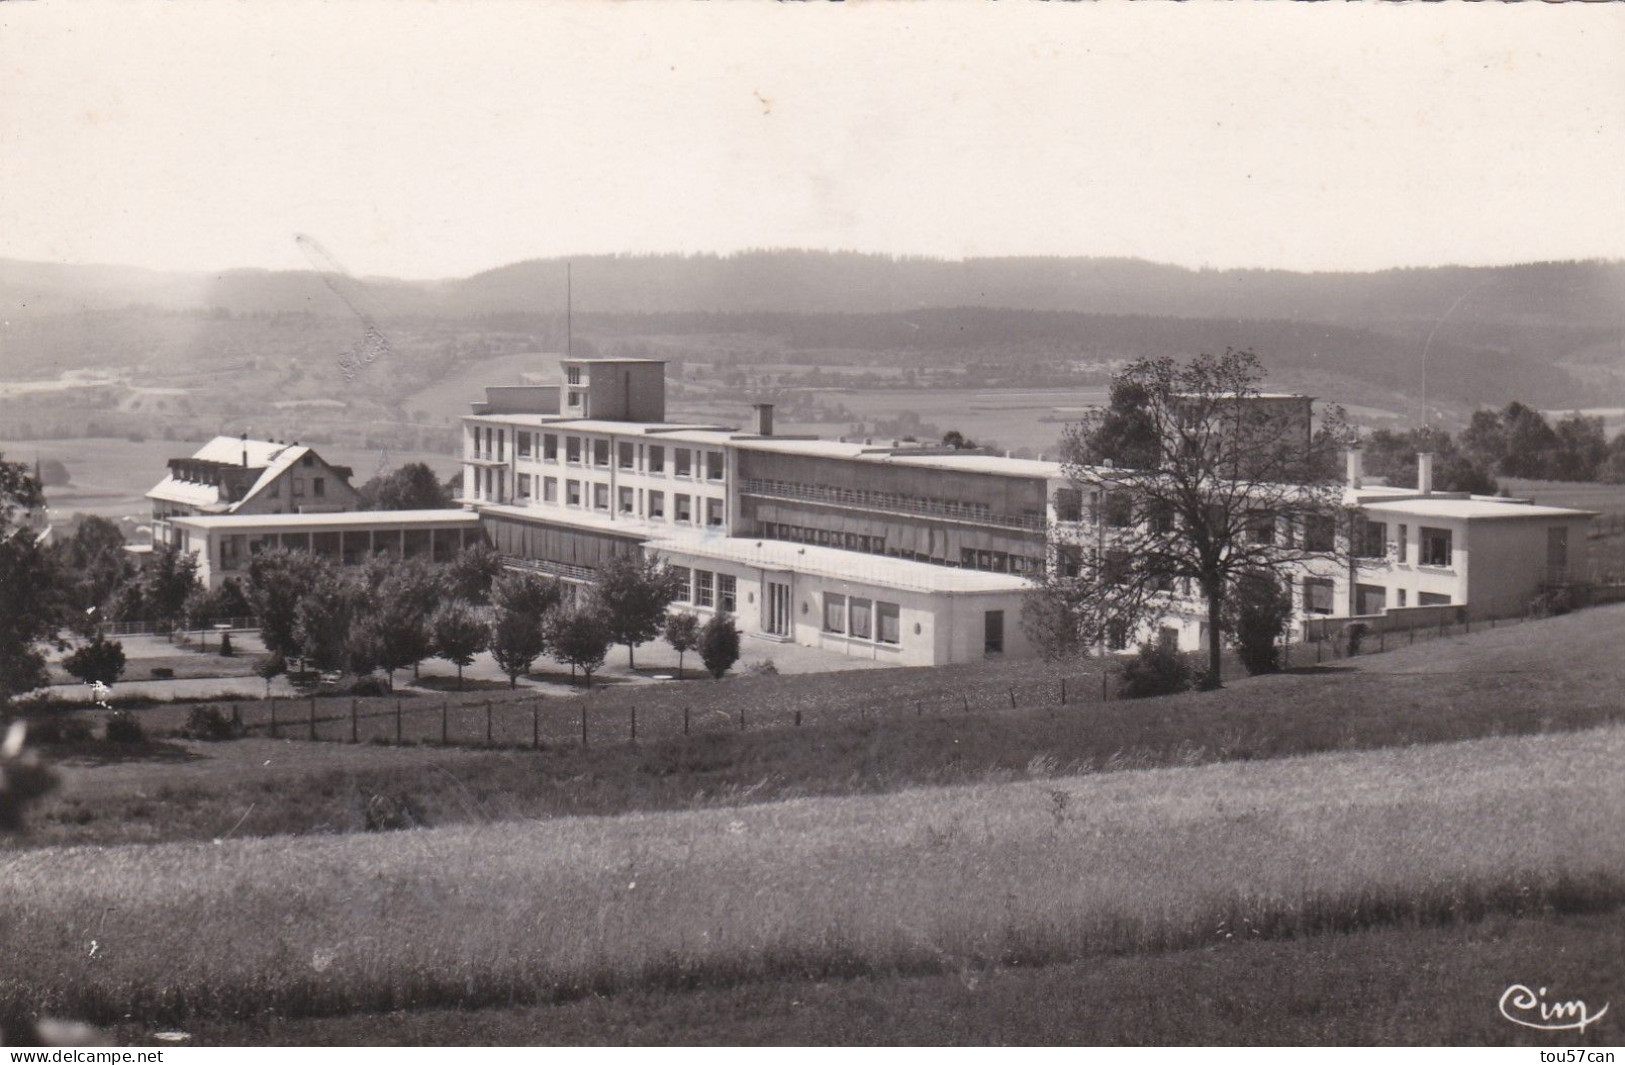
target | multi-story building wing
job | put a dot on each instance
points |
(905, 552)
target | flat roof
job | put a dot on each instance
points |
(855, 566)
(579, 518)
(339, 519)
(1471, 509)
(997, 464)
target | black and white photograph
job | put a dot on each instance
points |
(888, 523)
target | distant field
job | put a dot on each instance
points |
(110, 476)
(930, 880)
(1602, 498)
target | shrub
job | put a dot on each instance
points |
(1159, 669)
(60, 728)
(99, 661)
(388, 813)
(764, 668)
(1355, 634)
(1554, 601)
(226, 649)
(719, 644)
(162, 673)
(123, 727)
(369, 685)
(208, 723)
(1257, 614)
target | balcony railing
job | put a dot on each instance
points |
(973, 513)
(567, 570)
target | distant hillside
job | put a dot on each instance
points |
(1549, 333)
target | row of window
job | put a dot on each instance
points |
(596, 496)
(623, 454)
(969, 558)
(862, 619)
(1368, 598)
(1435, 547)
(703, 588)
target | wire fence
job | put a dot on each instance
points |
(630, 714)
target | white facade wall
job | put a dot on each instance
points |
(933, 628)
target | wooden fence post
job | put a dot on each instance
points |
(1012, 698)
(685, 721)
(965, 699)
(313, 717)
(488, 722)
(397, 720)
(798, 719)
(354, 732)
(634, 724)
(1063, 691)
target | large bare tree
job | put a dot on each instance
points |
(1236, 484)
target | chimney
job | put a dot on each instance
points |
(245, 450)
(764, 419)
(1424, 472)
(1356, 466)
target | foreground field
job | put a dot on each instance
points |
(863, 733)
(1407, 986)
(930, 880)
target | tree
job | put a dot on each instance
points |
(1256, 617)
(957, 440)
(469, 576)
(579, 637)
(277, 581)
(31, 601)
(409, 487)
(459, 635)
(1529, 442)
(683, 633)
(395, 630)
(1582, 449)
(269, 668)
(101, 661)
(169, 578)
(1234, 488)
(633, 593)
(322, 622)
(719, 644)
(516, 642)
(201, 608)
(96, 565)
(529, 594)
(1125, 433)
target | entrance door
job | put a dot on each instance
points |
(1557, 553)
(993, 632)
(776, 609)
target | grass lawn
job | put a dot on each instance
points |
(1391, 986)
(1553, 675)
(931, 880)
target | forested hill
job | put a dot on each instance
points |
(1578, 294)
(1550, 333)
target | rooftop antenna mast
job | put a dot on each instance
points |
(569, 325)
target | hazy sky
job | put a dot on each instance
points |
(430, 139)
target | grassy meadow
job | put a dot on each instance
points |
(1417, 986)
(938, 880)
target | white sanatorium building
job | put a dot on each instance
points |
(907, 553)
(895, 551)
